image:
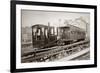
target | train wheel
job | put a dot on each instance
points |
(60, 43)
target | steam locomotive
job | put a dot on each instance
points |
(44, 36)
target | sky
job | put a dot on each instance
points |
(32, 17)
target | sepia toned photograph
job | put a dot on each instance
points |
(54, 36)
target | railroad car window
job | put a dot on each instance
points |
(34, 31)
(58, 31)
(55, 30)
(46, 32)
(51, 30)
(43, 30)
(38, 33)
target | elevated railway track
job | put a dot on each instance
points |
(56, 52)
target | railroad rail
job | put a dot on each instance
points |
(55, 52)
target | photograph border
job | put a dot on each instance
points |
(13, 35)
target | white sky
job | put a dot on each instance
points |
(31, 17)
